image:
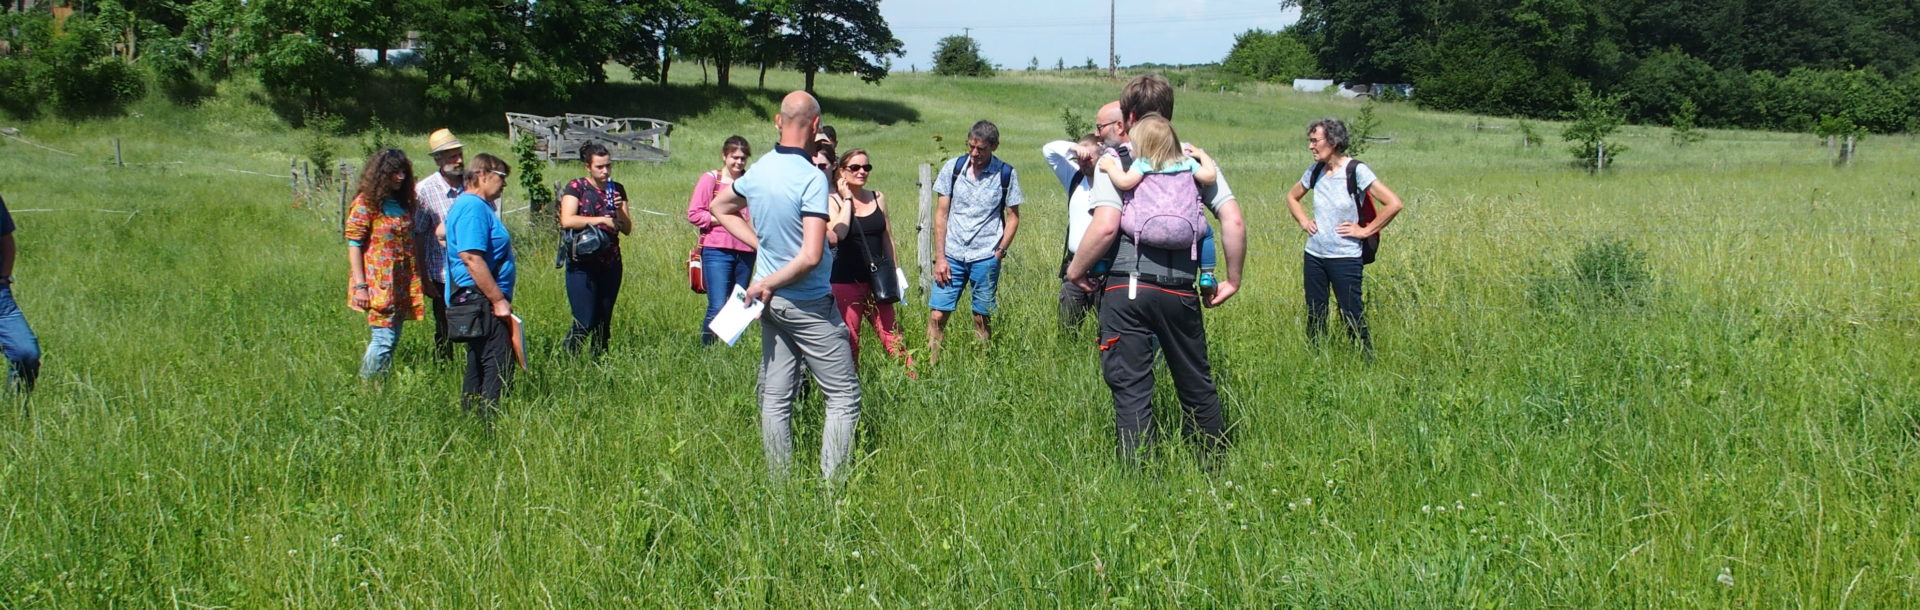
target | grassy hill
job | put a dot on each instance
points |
(1686, 382)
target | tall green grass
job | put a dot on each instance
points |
(199, 437)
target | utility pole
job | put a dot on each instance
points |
(1111, 68)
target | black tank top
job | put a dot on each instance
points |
(850, 260)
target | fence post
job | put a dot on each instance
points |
(1846, 154)
(924, 229)
(343, 200)
(293, 178)
(1600, 158)
(117, 160)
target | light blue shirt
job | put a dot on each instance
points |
(783, 188)
(974, 219)
(472, 227)
(1332, 206)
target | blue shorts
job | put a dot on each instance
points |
(983, 274)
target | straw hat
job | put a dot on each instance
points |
(442, 140)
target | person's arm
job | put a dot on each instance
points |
(1061, 156)
(621, 220)
(813, 243)
(359, 229)
(698, 212)
(6, 260)
(1207, 171)
(483, 280)
(1012, 219)
(1123, 178)
(1300, 213)
(726, 206)
(570, 217)
(1233, 237)
(942, 273)
(1390, 205)
(839, 217)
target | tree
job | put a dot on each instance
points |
(721, 36)
(1060, 64)
(1590, 124)
(841, 36)
(1270, 56)
(1033, 64)
(959, 56)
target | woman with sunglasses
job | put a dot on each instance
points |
(383, 275)
(857, 229)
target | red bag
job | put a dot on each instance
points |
(696, 272)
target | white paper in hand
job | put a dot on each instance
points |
(735, 316)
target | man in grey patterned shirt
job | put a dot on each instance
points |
(973, 224)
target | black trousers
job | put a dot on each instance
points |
(436, 294)
(1075, 303)
(1128, 327)
(1343, 276)
(592, 290)
(489, 368)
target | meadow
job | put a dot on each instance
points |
(1688, 381)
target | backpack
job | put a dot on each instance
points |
(1362, 201)
(1165, 213)
(1006, 183)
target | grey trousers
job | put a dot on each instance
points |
(806, 333)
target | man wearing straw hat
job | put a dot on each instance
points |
(436, 193)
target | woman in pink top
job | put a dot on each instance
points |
(724, 259)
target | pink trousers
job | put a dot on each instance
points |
(855, 303)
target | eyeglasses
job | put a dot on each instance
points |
(820, 165)
(860, 168)
(1100, 126)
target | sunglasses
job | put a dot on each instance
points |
(820, 165)
(498, 173)
(860, 168)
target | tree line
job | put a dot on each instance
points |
(1769, 64)
(91, 57)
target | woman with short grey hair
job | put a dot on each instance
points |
(1343, 231)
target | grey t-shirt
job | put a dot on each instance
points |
(974, 219)
(1177, 266)
(1332, 205)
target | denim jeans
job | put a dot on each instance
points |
(723, 269)
(592, 290)
(379, 357)
(19, 344)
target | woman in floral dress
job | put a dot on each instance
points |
(380, 256)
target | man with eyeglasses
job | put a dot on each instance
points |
(977, 214)
(1074, 163)
(1151, 302)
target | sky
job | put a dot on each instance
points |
(1013, 32)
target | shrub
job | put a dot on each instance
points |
(1682, 120)
(1590, 124)
(532, 179)
(1075, 124)
(1606, 273)
(1363, 127)
(317, 142)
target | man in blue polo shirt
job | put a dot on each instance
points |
(973, 224)
(799, 327)
(22, 348)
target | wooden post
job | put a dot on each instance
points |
(1600, 158)
(343, 200)
(1846, 154)
(117, 160)
(924, 230)
(293, 178)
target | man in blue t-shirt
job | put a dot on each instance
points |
(17, 340)
(799, 327)
(480, 266)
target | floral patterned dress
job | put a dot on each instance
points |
(385, 233)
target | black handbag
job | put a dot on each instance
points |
(881, 279)
(587, 241)
(468, 314)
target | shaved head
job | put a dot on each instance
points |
(799, 106)
(1109, 112)
(1108, 125)
(798, 120)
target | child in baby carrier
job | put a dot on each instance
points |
(1165, 210)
